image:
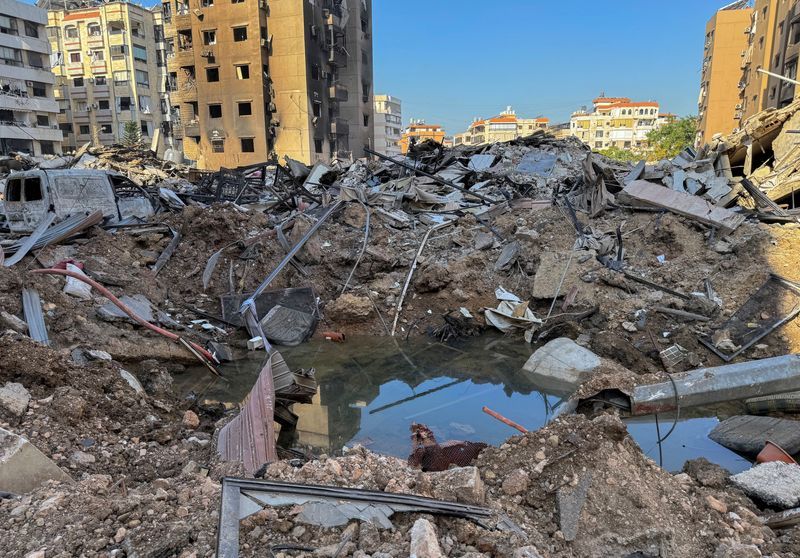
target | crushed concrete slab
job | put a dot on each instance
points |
(139, 304)
(561, 365)
(424, 543)
(24, 468)
(14, 399)
(570, 503)
(775, 484)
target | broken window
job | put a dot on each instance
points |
(84, 130)
(314, 71)
(212, 74)
(65, 127)
(218, 146)
(245, 108)
(185, 39)
(31, 29)
(248, 145)
(243, 71)
(317, 107)
(124, 103)
(366, 120)
(42, 120)
(240, 34)
(71, 32)
(106, 129)
(77, 82)
(145, 127)
(317, 145)
(14, 190)
(215, 111)
(33, 188)
(210, 37)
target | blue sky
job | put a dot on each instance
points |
(452, 60)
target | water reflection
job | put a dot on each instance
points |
(371, 389)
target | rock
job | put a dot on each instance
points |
(526, 552)
(36, 554)
(570, 503)
(14, 399)
(349, 308)
(516, 482)
(484, 241)
(191, 420)
(716, 504)
(561, 365)
(120, 535)
(82, 458)
(96, 354)
(706, 473)
(132, 381)
(23, 467)
(12, 322)
(460, 484)
(553, 441)
(737, 550)
(424, 543)
(775, 483)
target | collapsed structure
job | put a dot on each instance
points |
(625, 278)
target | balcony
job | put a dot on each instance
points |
(340, 127)
(80, 115)
(78, 92)
(95, 41)
(337, 56)
(101, 90)
(75, 69)
(103, 114)
(72, 44)
(182, 21)
(337, 93)
(184, 57)
(20, 131)
(192, 129)
(99, 67)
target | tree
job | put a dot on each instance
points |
(670, 139)
(132, 134)
(619, 154)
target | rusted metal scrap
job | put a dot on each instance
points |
(250, 437)
(428, 454)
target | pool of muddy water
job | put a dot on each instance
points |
(371, 389)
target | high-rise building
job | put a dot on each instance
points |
(616, 122)
(721, 76)
(28, 109)
(503, 127)
(418, 131)
(388, 124)
(108, 70)
(253, 78)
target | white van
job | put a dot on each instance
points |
(29, 195)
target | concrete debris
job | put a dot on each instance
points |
(775, 484)
(561, 365)
(424, 543)
(14, 399)
(24, 468)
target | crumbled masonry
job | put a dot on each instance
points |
(618, 274)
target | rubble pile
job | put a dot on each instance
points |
(624, 276)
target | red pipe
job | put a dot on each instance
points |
(110, 296)
(504, 420)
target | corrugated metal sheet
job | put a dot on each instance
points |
(250, 437)
(32, 307)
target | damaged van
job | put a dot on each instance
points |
(29, 195)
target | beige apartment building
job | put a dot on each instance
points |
(617, 122)
(418, 131)
(504, 127)
(388, 124)
(255, 78)
(107, 71)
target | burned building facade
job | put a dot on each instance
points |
(252, 78)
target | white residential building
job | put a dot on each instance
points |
(28, 110)
(388, 124)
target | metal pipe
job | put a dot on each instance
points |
(784, 78)
(717, 384)
(439, 179)
(504, 420)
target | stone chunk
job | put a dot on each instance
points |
(516, 482)
(191, 420)
(23, 468)
(348, 308)
(424, 543)
(14, 399)
(561, 365)
(527, 552)
(775, 483)
(460, 484)
(737, 550)
(570, 503)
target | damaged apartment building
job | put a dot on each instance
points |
(252, 78)
(109, 71)
(748, 45)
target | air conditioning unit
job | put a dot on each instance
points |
(198, 12)
(314, 31)
(94, 106)
(88, 109)
(263, 42)
(738, 107)
(29, 83)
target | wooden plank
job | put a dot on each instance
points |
(683, 204)
(747, 434)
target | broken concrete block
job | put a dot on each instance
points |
(349, 307)
(516, 482)
(14, 399)
(23, 468)
(737, 550)
(775, 483)
(526, 552)
(460, 484)
(561, 365)
(507, 257)
(424, 543)
(747, 434)
(12, 322)
(483, 241)
(570, 503)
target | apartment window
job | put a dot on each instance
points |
(243, 71)
(35, 59)
(77, 82)
(75, 57)
(777, 60)
(42, 120)
(761, 43)
(103, 104)
(98, 56)
(94, 30)
(31, 29)
(140, 53)
(237, 1)
(212, 74)
(780, 28)
(101, 80)
(124, 103)
(39, 89)
(627, 145)
(314, 71)
(65, 127)
(144, 104)
(158, 33)
(215, 111)
(116, 29)
(773, 91)
(317, 108)
(145, 127)
(317, 146)
(218, 146)
(166, 12)
(118, 51)
(366, 120)
(598, 134)
(245, 108)
(248, 145)
(240, 34)
(790, 70)
(207, 3)
(106, 129)
(142, 78)
(10, 56)
(83, 129)
(70, 32)
(210, 37)
(598, 144)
